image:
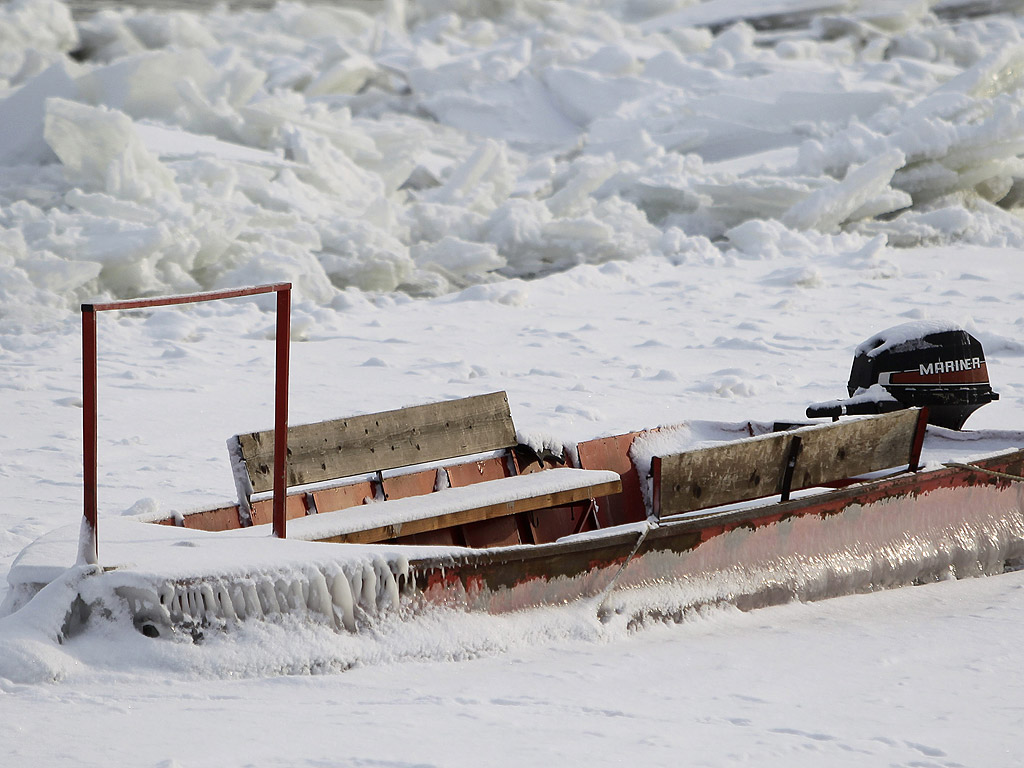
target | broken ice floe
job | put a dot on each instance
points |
(426, 152)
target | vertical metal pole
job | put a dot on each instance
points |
(915, 449)
(284, 309)
(89, 546)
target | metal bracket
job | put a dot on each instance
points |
(787, 475)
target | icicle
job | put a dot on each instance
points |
(238, 601)
(289, 594)
(208, 602)
(318, 597)
(166, 594)
(400, 569)
(356, 584)
(225, 604)
(268, 597)
(341, 597)
(195, 611)
(168, 599)
(368, 597)
(296, 595)
(179, 606)
(387, 588)
(253, 606)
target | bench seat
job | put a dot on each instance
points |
(383, 520)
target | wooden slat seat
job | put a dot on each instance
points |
(782, 462)
(475, 474)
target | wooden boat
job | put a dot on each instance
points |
(805, 513)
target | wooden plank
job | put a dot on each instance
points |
(461, 475)
(721, 474)
(410, 484)
(219, 519)
(496, 532)
(342, 496)
(856, 447)
(750, 469)
(360, 444)
(487, 512)
(263, 511)
(446, 538)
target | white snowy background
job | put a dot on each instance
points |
(624, 213)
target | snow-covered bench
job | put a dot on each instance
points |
(782, 462)
(367, 482)
(451, 507)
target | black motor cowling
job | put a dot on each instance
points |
(936, 365)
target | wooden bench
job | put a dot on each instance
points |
(478, 479)
(783, 462)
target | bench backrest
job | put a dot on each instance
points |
(358, 445)
(783, 461)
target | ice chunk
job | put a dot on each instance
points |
(100, 150)
(584, 96)
(347, 76)
(756, 239)
(458, 257)
(520, 112)
(830, 206)
(168, 143)
(34, 29)
(21, 115)
(480, 183)
(586, 176)
(171, 30)
(998, 72)
(356, 253)
(146, 85)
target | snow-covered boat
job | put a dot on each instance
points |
(440, 504)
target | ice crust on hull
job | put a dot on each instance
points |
(892, 542)
(338, 594)
(335, 594)
(170, 580)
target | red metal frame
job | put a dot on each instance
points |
(90, 547)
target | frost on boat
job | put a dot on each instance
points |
(348, 520)
(172, 577)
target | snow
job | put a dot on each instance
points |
(621, 219)
(903, 337)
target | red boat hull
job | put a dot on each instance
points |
(944, 522)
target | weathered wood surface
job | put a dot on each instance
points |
(357, 445)
(750, 469)
(850, 448)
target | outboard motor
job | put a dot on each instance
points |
(936, 365)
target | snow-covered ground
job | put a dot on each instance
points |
(620, 218)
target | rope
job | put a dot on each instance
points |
(983, 470)
(611, 584)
